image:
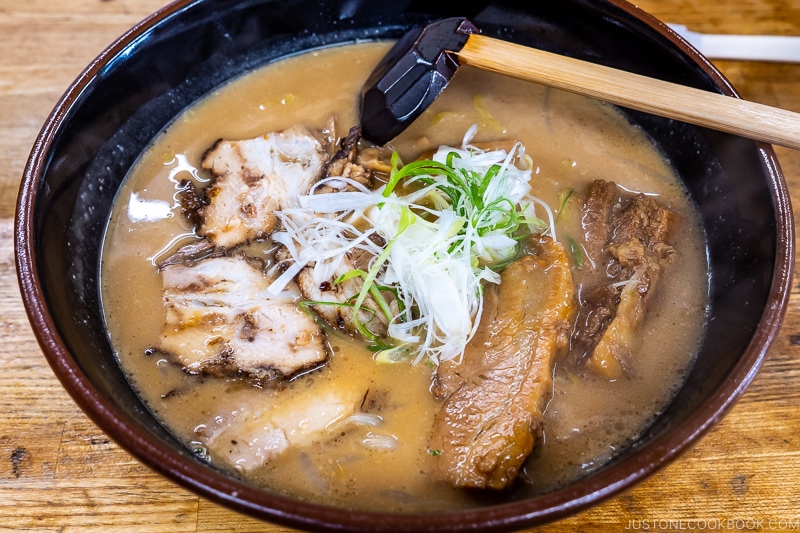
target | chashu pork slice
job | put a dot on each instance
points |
(333, 301)
(222, 321)
(252, 435)
(253, 178)
(495, 397)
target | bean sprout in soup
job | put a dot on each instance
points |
(505, 295)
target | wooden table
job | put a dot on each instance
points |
(58, 472)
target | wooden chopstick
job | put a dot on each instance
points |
(703, 108)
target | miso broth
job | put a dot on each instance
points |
(571, 140)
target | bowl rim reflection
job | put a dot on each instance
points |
(250, 500)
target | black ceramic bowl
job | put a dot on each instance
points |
(179, 54)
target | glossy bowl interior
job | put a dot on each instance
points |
(138, 85)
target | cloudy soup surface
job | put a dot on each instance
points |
(356, 430)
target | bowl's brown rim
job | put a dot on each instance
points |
(242, 497)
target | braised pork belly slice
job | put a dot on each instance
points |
(222, 321)
(253, 178)
(627, 238)
(597, 212)
(494, 399)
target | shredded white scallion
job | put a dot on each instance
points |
(377, 441)
(356, 419)
(444, 223)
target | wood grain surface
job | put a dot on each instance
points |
(58, 472)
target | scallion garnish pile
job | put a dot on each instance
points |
(445, 226)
